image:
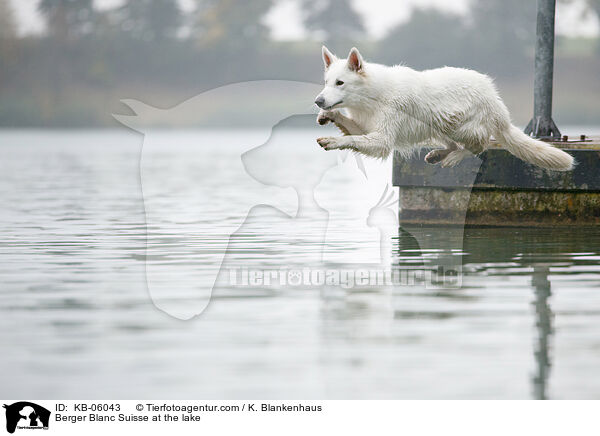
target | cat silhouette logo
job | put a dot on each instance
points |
(26, 415)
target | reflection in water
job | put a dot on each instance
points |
(543, 313)
(76, 319)
(506, 252)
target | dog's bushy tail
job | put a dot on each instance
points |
(533, 151)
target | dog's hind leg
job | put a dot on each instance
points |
(436, 156)
(455, 157)
(468, 147)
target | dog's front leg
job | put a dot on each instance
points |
(342, 122)
(373, 144)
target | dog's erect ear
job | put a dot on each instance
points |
(355, 60)
(328, 57)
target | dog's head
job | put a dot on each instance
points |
(343, 78)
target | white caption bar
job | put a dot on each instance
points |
(294, 417)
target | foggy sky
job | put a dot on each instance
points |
(379, 15)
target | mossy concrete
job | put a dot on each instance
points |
(498, 208)
(497, 189)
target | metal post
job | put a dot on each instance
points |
(542, 125)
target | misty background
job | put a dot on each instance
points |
(68, 63)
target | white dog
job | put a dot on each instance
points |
(398, 108)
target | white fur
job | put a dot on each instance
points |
(383, 108)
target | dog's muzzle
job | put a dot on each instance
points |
(320, 101)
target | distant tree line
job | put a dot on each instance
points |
(154, 45)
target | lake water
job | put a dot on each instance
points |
(101, 242)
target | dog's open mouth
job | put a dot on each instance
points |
(333, 105)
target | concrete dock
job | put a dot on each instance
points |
(498, 189)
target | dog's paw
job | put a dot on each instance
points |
(328, 143)
(435, 156)
(325, 117)
(322, 120)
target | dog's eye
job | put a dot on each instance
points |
(339, 83)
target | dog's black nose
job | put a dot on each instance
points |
(320, 101)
